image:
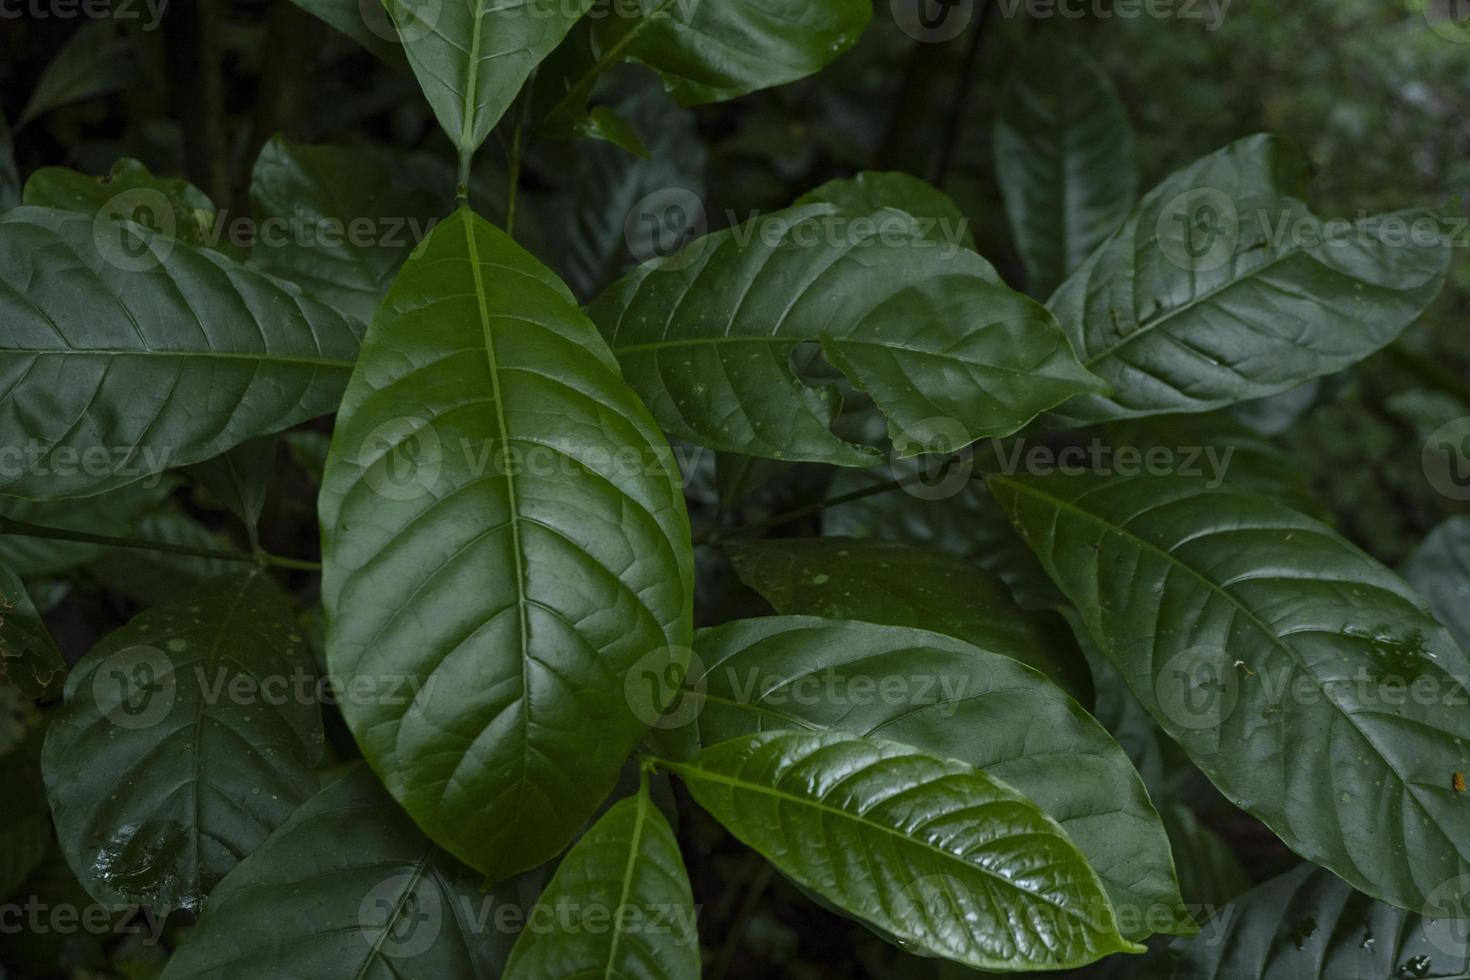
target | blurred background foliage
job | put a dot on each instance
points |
(1378, 100)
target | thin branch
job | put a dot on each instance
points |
(962, 87)
(259, 557)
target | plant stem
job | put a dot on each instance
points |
(259, 557)
(513, 179)
(961, 89)
(715, 536)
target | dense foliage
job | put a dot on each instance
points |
(676, 488)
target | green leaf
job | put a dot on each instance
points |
(1306, 923)
(155, 577)
(704, 52)
(620, 208)
(897, 585)
(349, 887)
(472, 56)
(187, 736)
(1221, 287)
(932, 852)
(940, 218)
(1440, 569)
(504, 537)
(97, 60)
(1209, 874)
(28, 656)
(631, 910)
(952, 700)
(1304, 678)
(365, 21)
(1064, 160)
(240, 478)
(926, 328)
(356, 224)
(126, 353)
(170, 206)
(1217, 448)
(114, 513)
(953, 513)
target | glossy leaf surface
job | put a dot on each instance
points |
(504, 538)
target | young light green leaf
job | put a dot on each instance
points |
(349, 887)
(953, 700)
(1305, 679)
(358, 225)
(1222, 287)
(170, 206)
(127, 352)
(932, 852)
(704, 50)
(29, 659)
(98, 59)
(1307, 923)
(187, 736)
(925, 327)
(893, 584)
(504, 538)
(632, 911)
(471, 57)
(1064, 160)
(1440, 569)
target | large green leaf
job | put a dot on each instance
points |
(1222, 287)
(1305, 679)
(704, 50)
(1064, 160)
(1306, 923)
(925, 327)
(940, 218)
(631, 910)
(187, 737)
(952, 700)
(938, 855)
(1440, 569)
(126, 353)
(503, 537)
(348, 887)
(168, 205)
(154, 577)
(347, 225)
(897, 585)
(28, 656)
(472, 56)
